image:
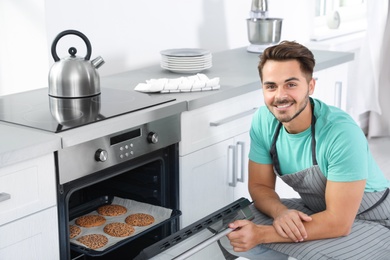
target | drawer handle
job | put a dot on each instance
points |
(338, 89)
(242, 159)
(232, 165)
(4, 196)
(234, 117)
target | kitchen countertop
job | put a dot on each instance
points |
(236, 68)
(21, 143)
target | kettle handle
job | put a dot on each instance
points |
(62, 34)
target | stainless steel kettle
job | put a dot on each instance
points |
(73, 76)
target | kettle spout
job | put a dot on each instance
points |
(97, 62)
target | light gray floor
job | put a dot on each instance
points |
(380, 148)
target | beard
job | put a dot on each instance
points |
(283, 116)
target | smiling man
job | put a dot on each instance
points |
(343, 211)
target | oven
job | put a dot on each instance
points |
(139, 164)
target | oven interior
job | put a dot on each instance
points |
(151, 179)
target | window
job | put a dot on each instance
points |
(335, 18)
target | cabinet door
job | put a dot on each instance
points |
(204, 181)
(26, 188)
(34, 237)
(331, 85)
(285, 191)
(242, 143)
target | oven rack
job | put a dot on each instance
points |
(104, 200)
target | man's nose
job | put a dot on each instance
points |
(281, 92)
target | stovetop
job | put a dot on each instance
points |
(38, 110)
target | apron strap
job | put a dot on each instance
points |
(377, 203)
(274, 152)
(313, 139)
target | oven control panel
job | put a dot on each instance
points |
(104, 152)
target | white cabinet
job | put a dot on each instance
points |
(331, 85)
(28, 212)
(214, 158)
(214, 155)
(34, 237)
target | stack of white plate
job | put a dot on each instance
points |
(186, 60)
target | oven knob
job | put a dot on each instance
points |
(152, 138)
(101, 155)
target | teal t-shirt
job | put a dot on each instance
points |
(342, 150)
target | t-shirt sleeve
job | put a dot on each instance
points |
(259, 146)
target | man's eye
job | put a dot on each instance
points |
(291, 85)
(270, 86)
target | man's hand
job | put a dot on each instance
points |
(289, 224)
(244, 236)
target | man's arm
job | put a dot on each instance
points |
(288, 223)
(342, 199)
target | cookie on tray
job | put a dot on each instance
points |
(90, 221)
(112, 210)
(93, 241)
(74, 231)
(139, 219)
(117, 229)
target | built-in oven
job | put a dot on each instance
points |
(134, 168)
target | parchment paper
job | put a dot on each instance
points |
(159, 213)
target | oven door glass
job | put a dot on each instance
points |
(199, 235)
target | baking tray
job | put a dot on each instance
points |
(162, 216)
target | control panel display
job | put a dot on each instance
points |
(125, 136)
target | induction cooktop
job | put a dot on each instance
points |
(38, 110)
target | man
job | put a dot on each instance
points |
(344, 210)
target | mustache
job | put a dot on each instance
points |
(282, 102)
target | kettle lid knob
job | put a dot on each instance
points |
(72, 51)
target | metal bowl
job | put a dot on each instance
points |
(264, 31)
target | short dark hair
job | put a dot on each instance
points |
(289, 50)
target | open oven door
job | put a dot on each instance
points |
(195, 237)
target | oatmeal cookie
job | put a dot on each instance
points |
(118, 229)
(112, 210)
(90, 221)
(139, 219)
(93, 241)
(74, 231)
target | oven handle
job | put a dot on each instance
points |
(203, 244)
(4, 196)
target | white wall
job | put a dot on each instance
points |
(128, 34)
(23, 45)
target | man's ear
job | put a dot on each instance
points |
(312, 86)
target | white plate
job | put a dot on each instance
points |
(186, 63)
(187, 70)
(185, 52)
(194, 59)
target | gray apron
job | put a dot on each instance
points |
(369, 238)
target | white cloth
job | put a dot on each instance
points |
(198, 82)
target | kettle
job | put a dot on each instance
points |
(73, 76)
